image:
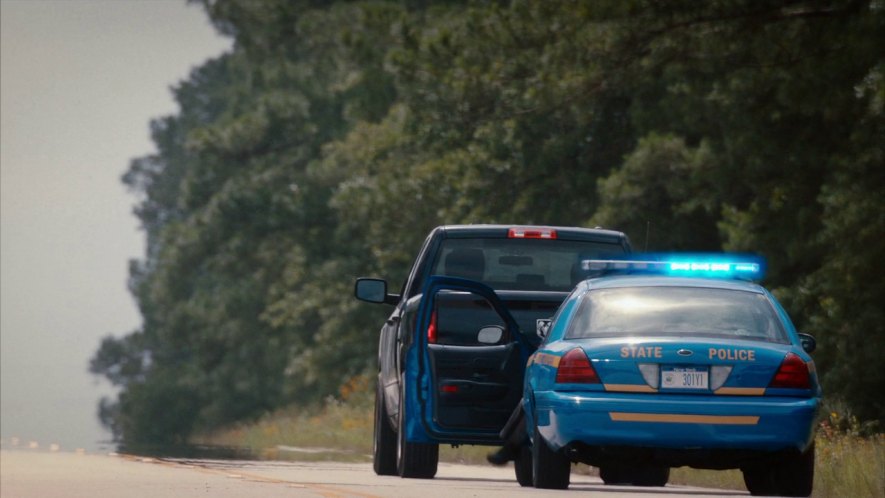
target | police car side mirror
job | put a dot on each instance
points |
(542, 327)
(809, 344)
(490, 335)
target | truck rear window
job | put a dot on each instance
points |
(520, 264)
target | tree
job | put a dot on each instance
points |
(663, 194)
(335, 135)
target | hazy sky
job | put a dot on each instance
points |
(79, 82)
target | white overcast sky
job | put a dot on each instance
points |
(79, 82)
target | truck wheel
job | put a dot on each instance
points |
(384, 443)
(523, 467)
(550, 469)
(418, 460)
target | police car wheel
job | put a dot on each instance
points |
(613, 474)
(758, 480)
(523, 467)
(550, 469)
(416, 460)
(384, 444)
(795, 476)
(650, 475)
(790, 476)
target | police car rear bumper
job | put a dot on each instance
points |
(675, 421)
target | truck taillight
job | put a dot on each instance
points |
(531, 233)
(431, 329)
(574, 367)
(793, 374)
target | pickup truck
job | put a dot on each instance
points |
(453, 352)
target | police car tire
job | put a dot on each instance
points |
(523, 467)
(795, 476)
(384, 447)
(789, 477)
(650, 475)
(759, 480)
(550, 469)
(414, 460)
(614, 474)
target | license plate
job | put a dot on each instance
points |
(685, 378)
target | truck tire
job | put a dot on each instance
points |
(415, 460)
(384, 443)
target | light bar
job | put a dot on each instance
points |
(710, 266)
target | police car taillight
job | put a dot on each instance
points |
(531, 233)
(792, 374)
(431, 329)
(574, 368)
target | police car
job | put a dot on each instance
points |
(660, 364)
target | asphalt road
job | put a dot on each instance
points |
(29, 473)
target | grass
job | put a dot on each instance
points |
(342, 426)
(850, 458)
(720, 479)
(850, 462)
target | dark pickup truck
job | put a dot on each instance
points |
(453, 352)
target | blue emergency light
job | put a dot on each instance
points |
(737, 266)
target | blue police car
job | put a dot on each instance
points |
(660, 364)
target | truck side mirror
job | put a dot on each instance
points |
(491, 334)
(372, 290)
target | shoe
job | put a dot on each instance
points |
(502, 456)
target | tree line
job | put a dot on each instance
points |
(334, 135)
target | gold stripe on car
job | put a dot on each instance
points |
(677, 418)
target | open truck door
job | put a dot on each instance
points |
(469, 362)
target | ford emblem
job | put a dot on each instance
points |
(684, 352)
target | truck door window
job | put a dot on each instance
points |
(461, 315)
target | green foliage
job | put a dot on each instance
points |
(334, 135)
(783, 101)
(664, 192)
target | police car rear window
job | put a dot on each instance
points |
(520, 264)
(676, 311)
